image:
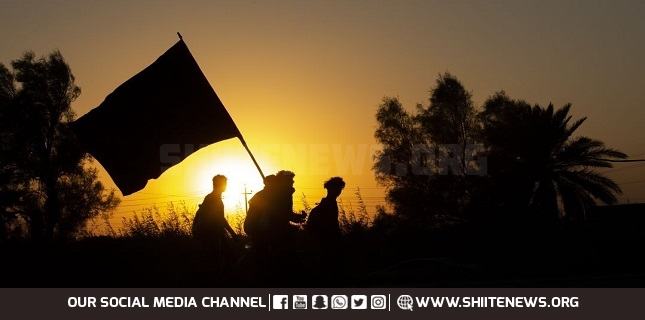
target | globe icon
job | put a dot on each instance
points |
(405, 302)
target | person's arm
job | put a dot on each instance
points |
(222, 218)
(298, 218)
(229, 229)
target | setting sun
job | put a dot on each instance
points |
(192, 178)
(242, 177)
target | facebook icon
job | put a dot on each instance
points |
(280, 301)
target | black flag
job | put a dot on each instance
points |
(155, 120)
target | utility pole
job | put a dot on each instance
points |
(246, 201)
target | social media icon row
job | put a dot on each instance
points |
(335, 302)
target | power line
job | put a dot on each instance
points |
(178, 195)
(159, 197)
(631, 182)
(624, 168)
(618, 160)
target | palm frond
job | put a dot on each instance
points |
(595, 184)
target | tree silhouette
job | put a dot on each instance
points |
(450, 124)
(450, 119)
(536, 163)
(535, 167)
(43, 168)
(426, 158)
(400, 136)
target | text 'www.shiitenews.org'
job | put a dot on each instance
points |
(406, 302)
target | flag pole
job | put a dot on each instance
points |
(240, 136)
(252, 157)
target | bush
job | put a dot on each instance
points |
(175, 222)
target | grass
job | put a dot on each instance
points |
(154, 248)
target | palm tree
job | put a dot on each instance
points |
(553, 173)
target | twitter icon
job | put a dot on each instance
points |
(359, 302)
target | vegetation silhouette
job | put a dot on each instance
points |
(538, 164)
(502, 195)
(48, 191)
(510, 171)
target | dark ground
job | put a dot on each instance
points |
(605, 251)
(601, 257)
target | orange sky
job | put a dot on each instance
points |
(302, 79)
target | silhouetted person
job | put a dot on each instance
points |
(281, 234)
(213, 225)
(282, 205)
(256, 224)
(324, 232)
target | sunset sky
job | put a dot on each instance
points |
(302, 79)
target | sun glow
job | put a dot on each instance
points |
(242, 178)
(234, 163)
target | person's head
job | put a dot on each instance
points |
(270, 181)
(219, 183)
(284, 180)
(334, 186)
